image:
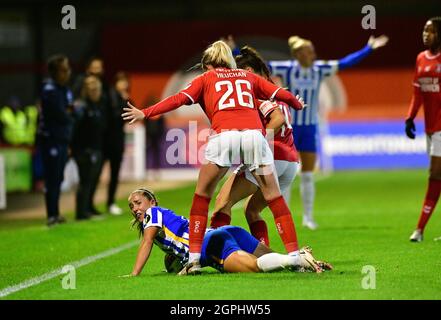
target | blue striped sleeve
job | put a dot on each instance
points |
(153, 218)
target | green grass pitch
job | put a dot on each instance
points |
(365, 219)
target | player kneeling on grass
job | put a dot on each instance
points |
(227, 249)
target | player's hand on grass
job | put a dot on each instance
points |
(378, 42)
(410, 128)
(132, 113)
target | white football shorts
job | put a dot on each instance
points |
(434, 144)
(286, 172)
(248, 147)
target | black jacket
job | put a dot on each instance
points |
(90, 126)
(55, 119)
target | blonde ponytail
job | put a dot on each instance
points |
(295, 43)
(218, 54)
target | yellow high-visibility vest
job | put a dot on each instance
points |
(14, 125)
(31, 113)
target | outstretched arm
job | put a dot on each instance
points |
(144, 249)
(356, 57)
(133, 114)
(287, 97)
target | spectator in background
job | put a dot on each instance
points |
(14, 123)
(87, 144)
(113, 140)
(55, 131)
(113, 148)
(154, 129)
(94, 66)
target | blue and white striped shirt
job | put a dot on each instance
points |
(306, 83)
(173, 234)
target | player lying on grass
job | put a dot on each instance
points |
(226, 95)
(227, 249)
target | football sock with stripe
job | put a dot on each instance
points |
(284, 223)
(198, 225)
(432, 196)
(259, 230)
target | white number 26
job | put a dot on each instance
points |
(224, 103)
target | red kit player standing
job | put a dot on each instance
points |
(427, 93)
(227, 95)
(242, 184)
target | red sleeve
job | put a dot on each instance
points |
(415, 104)
(417, 98)
(288, 98)
(166, 105)
(189, 95)
(263, 89)
(195, 89)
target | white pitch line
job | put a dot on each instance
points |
(54, 273)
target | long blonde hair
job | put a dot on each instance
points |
(217, 55)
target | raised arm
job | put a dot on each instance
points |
(144, 249)
(356, 57)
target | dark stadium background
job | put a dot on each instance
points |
(161, 36)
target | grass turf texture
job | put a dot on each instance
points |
(365, 219)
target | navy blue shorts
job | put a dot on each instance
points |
(305, 138)
(220, 243)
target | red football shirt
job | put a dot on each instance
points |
(283, 144)
(427, 90)
(226, 96)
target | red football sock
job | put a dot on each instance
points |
(284, 223)
(198, 222)
(219, 219)
(259, 231)
(432, 196)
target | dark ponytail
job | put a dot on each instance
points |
(249, 57)
(436, 21)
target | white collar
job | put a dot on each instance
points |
(430, 56)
